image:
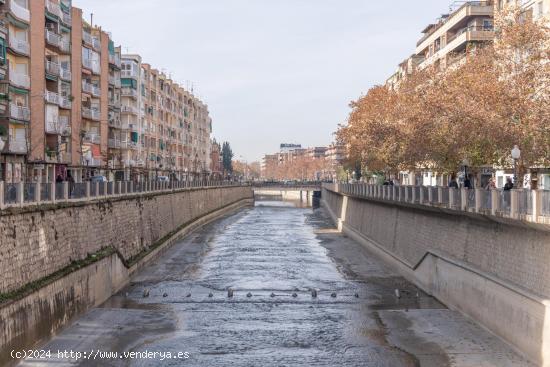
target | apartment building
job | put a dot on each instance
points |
(72, 104)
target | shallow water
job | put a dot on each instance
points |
(303, 295)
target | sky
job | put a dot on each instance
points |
(271, 71)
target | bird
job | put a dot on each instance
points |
(333, 295)
(146, 292)
(230, 293)
(314, 293)
(249, 294)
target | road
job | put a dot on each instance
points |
(275, 257)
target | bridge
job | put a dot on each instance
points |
(377, 276)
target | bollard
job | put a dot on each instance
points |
(478, 192)
(536, 205)
(464, 199)
(2, 195)
(66, 191)
(495, 202)
(452, 199)
(19, 194)
(514, 208)
(53, 192)
(439, 195)
(413, 199)
(96, 189)
(37, 192)
(88, 189)
(131, 187)
(430, 195)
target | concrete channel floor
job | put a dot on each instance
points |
(273, 257)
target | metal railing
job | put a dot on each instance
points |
(522, 204)
(27, 194)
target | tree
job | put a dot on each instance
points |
(495, 97)
(227, 158)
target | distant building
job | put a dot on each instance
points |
(287, 148)
(216, 166)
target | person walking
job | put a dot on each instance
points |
(509, 185)
(468, 182)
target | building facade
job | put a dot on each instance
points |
(72, 105)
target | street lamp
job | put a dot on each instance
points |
(465, 163)
(516, 154)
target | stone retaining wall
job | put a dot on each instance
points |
(495, 273)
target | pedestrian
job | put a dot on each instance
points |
(509, 185)
(468, 182)
(491, 184)
(452, 183)
(59, 178)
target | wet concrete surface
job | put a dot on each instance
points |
(276, 286)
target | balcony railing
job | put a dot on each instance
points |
(87, 38)
(90, 113)
(470, 29)
(129, 109)
(52, 67)
(65, 74)
(91, 88)
(64, 125)
(52, 38)
(129, 92)
(65, 103)
(129, 74)
(96, 43)
(520, 204)
(66, 18)
(17, 146)
(133, 127)
(20, 112)
(51, 97)
(114, 60)
(19, 11)
(20, 46)
(87, 63)
(65, 45)
(92, 138)
(53, 8)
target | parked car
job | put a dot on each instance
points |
(163, 178)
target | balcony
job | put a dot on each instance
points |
(134, 127)
(129, 74)
(65, 46)
(52, 68)
(20, 112)
(468, 9)
(87, 38)
(66, 18)
(457, 41)
(53, 8)
(92, 138)
(65, 74)
(114, 143)
(65, 103)
(113, 80)
(65, 125)
(19, 11)
(91, 88)
(87, 63)
(129, 92)
(114, 60)
(20, 46)
(96, 43)
(52, 38)
(17, 146)
(129, 110)
(90, 113)
(51, 97)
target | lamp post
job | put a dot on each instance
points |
(465, 163)
(516, 154)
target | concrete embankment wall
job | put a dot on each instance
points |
(495, 272)
(58, 261)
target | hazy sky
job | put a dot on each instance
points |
(271, 71)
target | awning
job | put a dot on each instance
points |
(18, 90)
(96, 151)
